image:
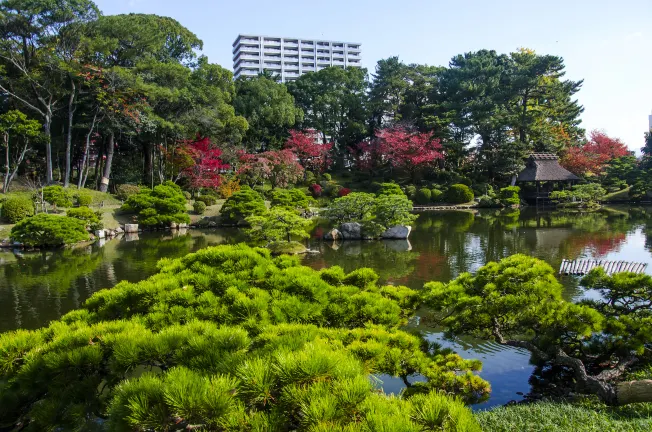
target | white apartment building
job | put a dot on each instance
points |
(289, 58)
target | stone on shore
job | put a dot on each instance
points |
(351, 231)
(398, 232)
(333, 234)
(131, 228)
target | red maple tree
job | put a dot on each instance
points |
(591, 157)
(312, 156)
(280, 167)
(207, 164)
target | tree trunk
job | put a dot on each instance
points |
(104, 184)
(71, 112)
(81, 182)
(6, 182)
(48, 148)
(633, 391)
(98, 167)
(17, 165)
(148, 166)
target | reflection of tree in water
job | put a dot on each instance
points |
(42, 286)
(390, 259)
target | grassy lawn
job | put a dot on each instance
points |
(586, 416)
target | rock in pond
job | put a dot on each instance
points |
(333, 234)
(398, 232)
(351, 231)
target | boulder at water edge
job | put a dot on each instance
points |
(333, 234)
(131, 228)
(398, 232)
(351, 231)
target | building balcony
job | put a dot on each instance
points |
(241, 56)
(272, 50)
(246, 48)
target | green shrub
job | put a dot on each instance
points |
(242, 204)
(508, 196)
(290, 199)
(187, 195)
(199, 207)
(390, 189)
(310, 178)
(327, 177)
(436, 195)
(485, 201)
(44, 230)
(209, 200)
(124, 191)
(16, 209)
(242, 341)
(92, 219)
(459, 194)
(83, 199)
(423, 196)
(161, 206)
(411, 191)
(279, 224)
(57, 196)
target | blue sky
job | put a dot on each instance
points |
(608, 43)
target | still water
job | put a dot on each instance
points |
(36, 288)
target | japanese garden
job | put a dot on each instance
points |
(352, 250)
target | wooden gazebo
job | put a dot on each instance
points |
(544, 167)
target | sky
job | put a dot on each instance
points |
(606, 43)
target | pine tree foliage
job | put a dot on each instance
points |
(231, 339)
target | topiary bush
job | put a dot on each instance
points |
(209, 200)
(199, 207)
(389, 189)
(83, 199)
(436, 195)
(459, 194)
(187, 195)
(161, 206)
(45, 230)
(92, 219)
(57, 196)
(242, 204)
(411, 191)
(327, 177)
(293, 199)
(237, 341)
(508, 196)
(423, 196)
(124, 191)
(315, 190)
(16, 209)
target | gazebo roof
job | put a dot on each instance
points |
(544, 167)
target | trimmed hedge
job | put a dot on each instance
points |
(83, 199)
(163, 205)
(45, 230)
(92, 219)
(423, 196)
(16, 209)
(124, 191)
(459, 194)
(209, 200)
(199, 207)
(242, 204)
(57, 196)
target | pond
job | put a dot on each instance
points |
(36, 288)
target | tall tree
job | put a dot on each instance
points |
(334, 101)
(387, 91)
(16, 128)
(30, 32)
(269, 109)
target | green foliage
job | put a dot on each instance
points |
(277, 224)
(199, 207)
(293, 199)
(15, 209)
(124, 191)
(375, 213)
(459, 194)
(436, 195)
(83, 199)
(44, 230)
(566, 417)
(92, 219)
(187, 195)
(327, 177)
(232, 339)
(423, 196)
(590, 193)
(158, 207)
(57, 196)
(389, 189)
(209, 200)
(410, 191)
(242, 204)
(485, 201)
(508, 196)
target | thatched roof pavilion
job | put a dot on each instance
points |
(542, 167)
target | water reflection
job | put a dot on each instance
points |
(36, 288)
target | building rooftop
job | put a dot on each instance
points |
(544, 167)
